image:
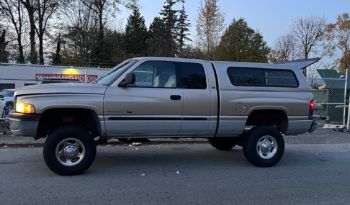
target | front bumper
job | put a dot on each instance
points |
(24, 124)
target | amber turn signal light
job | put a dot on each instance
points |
(25, 108)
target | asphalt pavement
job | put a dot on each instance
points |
(313, 170)
(180, 174)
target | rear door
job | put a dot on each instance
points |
(198, 116)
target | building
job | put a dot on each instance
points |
(18, 75)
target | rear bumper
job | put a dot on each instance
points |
(313, 126)
(299, 126)
(24, 124)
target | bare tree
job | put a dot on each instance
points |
(102, 8)
(307, 34)
(12, 11)
(99, 7)
(338, 38)
(3, 45)
(284, 50)
(79, 23)
(210, 24)
(45, 10)
(31, 8)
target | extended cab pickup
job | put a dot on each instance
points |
(230, 103)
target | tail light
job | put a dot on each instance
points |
(311, 110)
(312, 105)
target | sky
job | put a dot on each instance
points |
(272, 18)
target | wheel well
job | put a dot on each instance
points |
(276, 118)
(52, 119)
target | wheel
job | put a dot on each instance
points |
(263, 146)
(69, 150)
(224, 144)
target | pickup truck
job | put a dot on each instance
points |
(230, 103)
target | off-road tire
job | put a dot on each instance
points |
(65, 133)
(254, 141)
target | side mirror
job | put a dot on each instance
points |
(128, 80)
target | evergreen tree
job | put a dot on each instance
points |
(157, 46)
(183, 30)
(242, 43)
(3, 45)
(169, 17)
(136, 34)
(115, 47)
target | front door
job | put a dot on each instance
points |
(152, 106)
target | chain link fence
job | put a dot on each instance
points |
(6, 105)
(7, 86)
(4, 127)
(331, 100)
(144, 77)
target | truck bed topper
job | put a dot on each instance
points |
(301, 63)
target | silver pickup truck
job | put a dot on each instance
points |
(230, 103)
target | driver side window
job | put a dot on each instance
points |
(159, 74)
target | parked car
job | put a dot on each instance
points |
(6, 102)
(231, 103)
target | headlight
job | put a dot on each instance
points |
(25, 108)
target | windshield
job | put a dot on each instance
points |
(115, 72)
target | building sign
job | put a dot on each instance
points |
(51, 76)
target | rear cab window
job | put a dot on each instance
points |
(191, 76)
(262, 77)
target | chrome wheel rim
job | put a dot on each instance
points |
(70, 152)
(267, 147)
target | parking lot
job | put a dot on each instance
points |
(314, 170)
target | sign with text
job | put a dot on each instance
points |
(51, 76)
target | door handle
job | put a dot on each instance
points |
(175, 97)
